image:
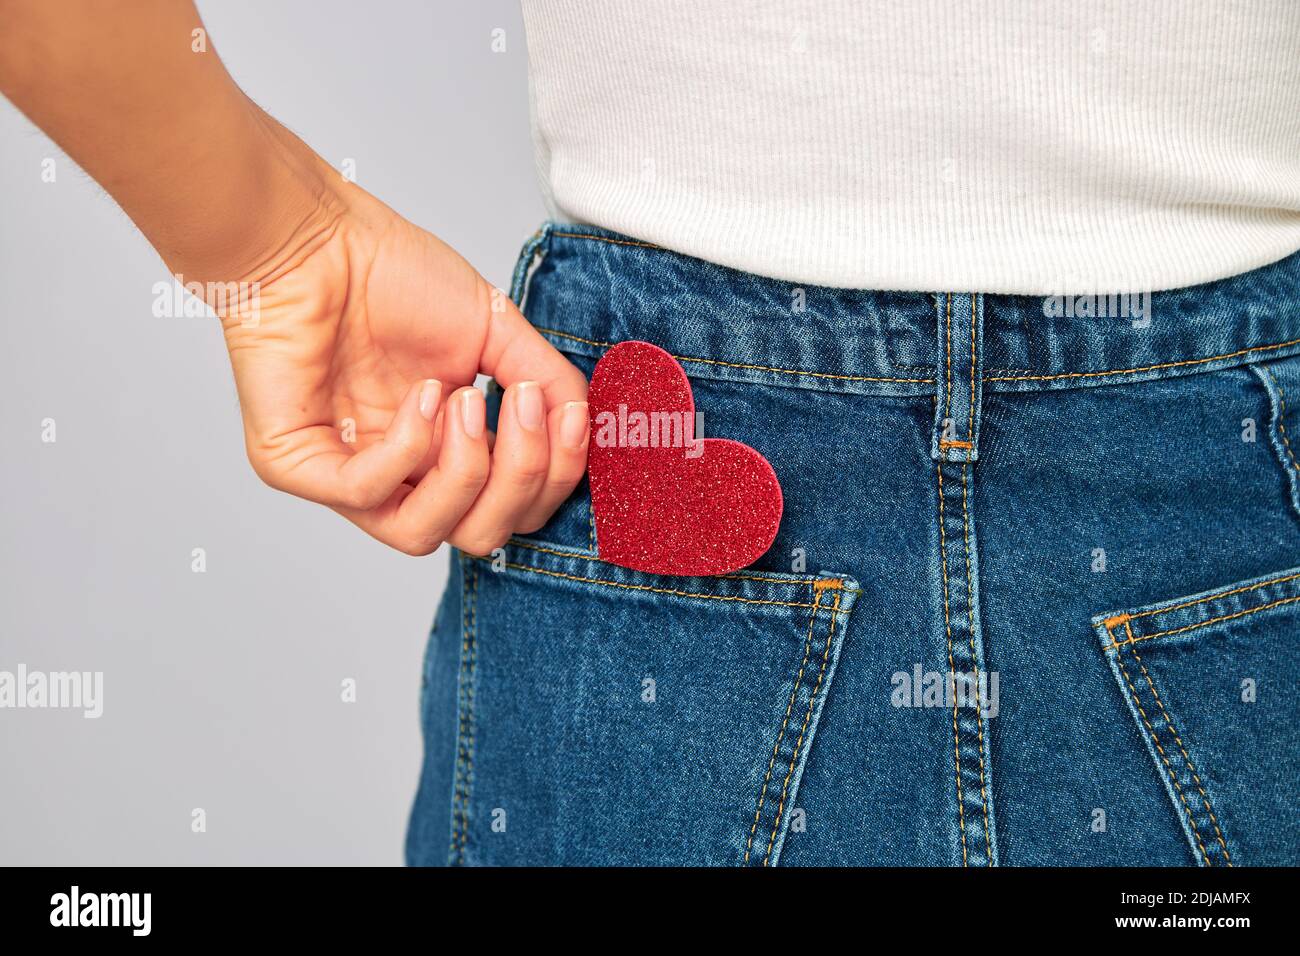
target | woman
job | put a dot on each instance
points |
(1007, 298)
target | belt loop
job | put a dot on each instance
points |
(959, 369)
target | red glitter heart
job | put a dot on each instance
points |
(664, 502)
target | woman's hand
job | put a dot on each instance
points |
(355, 370)
(356, 350)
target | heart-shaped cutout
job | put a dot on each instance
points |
(664, 501)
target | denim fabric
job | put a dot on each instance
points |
(1034, 598)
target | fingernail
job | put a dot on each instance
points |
(573, 425)
(429, 394)
(472, 412)
(528, 405)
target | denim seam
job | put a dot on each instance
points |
(1117, 619)
(952, 668)
(780, 736)
(809, 581)
(970, 617)
(1200, 624)
(471, 676)
(595, 343)
(465, 722)
(741, 365)
(1205, 799)
(1144, 368)
(1283, 449)
(1171, 776)
(1213, 597)
(453, 849)
(654, 590)
(613, 242)
(803, 731)
(548, 231)
(1281, 418)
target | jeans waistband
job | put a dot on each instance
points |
(587, 288)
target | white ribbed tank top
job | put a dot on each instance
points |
(1047, 147)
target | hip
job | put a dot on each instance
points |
(1032, 600)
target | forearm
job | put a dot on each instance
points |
(214, 183)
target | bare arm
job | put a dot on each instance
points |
(356, 377)
(146, 107)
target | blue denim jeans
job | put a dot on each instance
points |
(1035, 597)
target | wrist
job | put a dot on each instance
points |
(265, 196)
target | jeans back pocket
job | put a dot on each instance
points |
(611, 716)
(1210, 681)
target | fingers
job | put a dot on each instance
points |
(417, 520)
(568, 431)
(484, 487)
(519, 469)
(534, 467)
(514, 352)
(321, 468)
(489, 486)
(474, 500)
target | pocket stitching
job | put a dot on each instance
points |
(789, 707)
(1211, 597)
(1205, 799)
(743, 365)
(845, 591)
(1281, 418)
(798, 747)
(1137, 702)
(767, 578)
(1132, 639)
(646, 587)
(1107, 627)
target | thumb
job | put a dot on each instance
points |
(514, 351)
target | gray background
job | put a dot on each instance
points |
(222, 689)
